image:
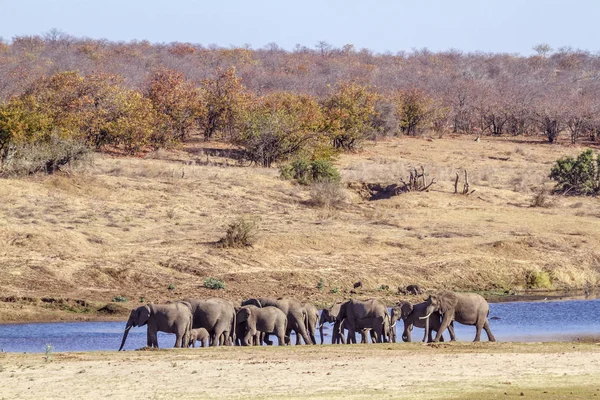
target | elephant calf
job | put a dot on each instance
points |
(201, 335)
(257, 321)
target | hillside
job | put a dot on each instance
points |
(134, 227)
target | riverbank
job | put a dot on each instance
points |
(145, 230)
(394, 371)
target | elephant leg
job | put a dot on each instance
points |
(178, 341)
(267, 340)
(281, 338)
(488, 331)
(451, 330)
(478, 327)
(445, 322)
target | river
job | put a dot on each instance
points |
(513, 321)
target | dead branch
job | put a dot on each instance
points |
(466, 187)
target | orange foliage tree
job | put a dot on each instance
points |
(178, 102)
(349, 114)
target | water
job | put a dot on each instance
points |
(518, 321)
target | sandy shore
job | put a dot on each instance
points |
(398, 371)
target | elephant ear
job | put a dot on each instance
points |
(187, 304)
(406, 309)
(447, 301)
(142, 315)
(242, 315)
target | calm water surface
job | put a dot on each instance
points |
(517, 321)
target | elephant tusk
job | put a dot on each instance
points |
(427, 316)
(394, 324)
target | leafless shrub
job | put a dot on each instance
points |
(327, 195)
(240, 233)
(541, 198)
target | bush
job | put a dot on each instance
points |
(45, 157)
(306, 172)
(240, 233)
(214, 283)
(540, 199)
(538, 279)
(327, 195)
(119, 299)
(579, 176)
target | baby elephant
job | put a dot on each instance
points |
(201, 335)
(256, 321)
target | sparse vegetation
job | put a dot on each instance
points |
(541, 198)
(306, 172)
(577, 176)
(171, 286)
(327, 195)
(119, 299)
(240, 233)
(538, 280)
(214, 283)
(321, 284)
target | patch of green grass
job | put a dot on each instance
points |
(538, 279)
(119, 299)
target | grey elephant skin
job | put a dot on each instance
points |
(199, 335)
(464, 308)
(411, 315)
(169, 318)
(312, 319)
(358, 314)
(258, 323)
(294, 311)
(329, 315)
(217, 316)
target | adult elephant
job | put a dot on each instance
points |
(215, 315)
(258, 323)
(411, 315)
(329, 315)
(359, 315)
(169, 318)
(464, 308)
(312, 319)
(293, 309)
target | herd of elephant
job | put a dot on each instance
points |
(217, 321)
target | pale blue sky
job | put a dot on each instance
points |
(512, 26)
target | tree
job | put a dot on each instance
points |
(415, 109)
(279, 126)
(226, 99)
(349, 114)
(178, 103)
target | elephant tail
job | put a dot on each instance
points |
(188, 332)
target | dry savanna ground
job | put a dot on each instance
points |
(145, 228)
(383, 371)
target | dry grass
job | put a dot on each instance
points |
(132, 226)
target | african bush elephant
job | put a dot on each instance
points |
(465, 308)
(312, 318)
(358, 314)
(201, 335)
(258, 323)
(411, 316)
(293, 309)
(169, 318)
(217, 316)
(329, 315)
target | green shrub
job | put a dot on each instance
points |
(321, 284)
(240, 233)
(538, 279)
(171, 286)
(119, 299)
(580, 176)
(214, 283)
(334, 290)
(306, 172)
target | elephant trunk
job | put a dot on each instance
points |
(127, 328)
(426, 335)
